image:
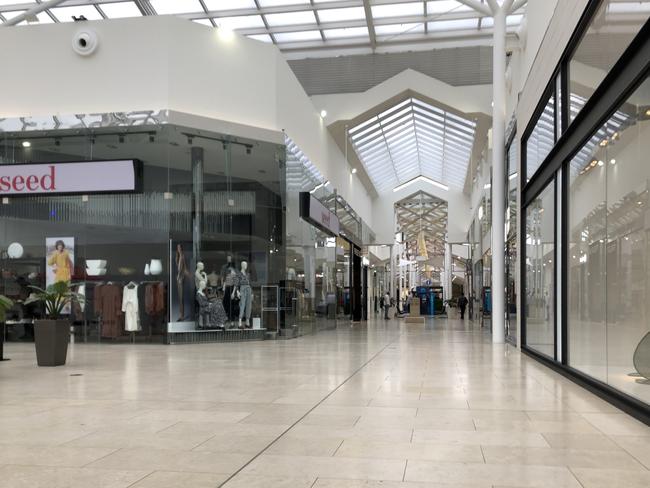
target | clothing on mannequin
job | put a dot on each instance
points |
(229, 301)
(243, 285)
(130, 307)
(212, 313)
(213, 279)
(225, 269)
(199, 274)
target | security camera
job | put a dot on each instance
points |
(85, 42)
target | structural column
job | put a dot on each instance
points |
(498, 172)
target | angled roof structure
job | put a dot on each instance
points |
(414, 139)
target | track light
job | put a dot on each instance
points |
(120, 138)
(248, 150)
(27, 144)
(152, 138)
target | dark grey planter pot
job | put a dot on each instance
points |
(51, 338)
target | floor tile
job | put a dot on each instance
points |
(612, 478)
(173, 479)
(560, 457)
(51, 477)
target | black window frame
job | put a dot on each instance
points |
(623, 79)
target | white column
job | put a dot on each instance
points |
(448, 272)
(498, 173)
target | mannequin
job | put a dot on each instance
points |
(199, 274)
(225, 269)
(229, 293)
(212, 313)
(213, 279)
(243, 286)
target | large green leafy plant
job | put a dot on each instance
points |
(55, 298)
(5, 304)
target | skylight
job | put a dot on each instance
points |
(241, 22)
(341, 14)
(65, 14)
(166, 7)
(298, 36)
(397, 10)
(414, 139)
(120, 10)
(444, 6)
(216, 5)
(291, 18)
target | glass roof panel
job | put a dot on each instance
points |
(216, 5)
(397, 10)
(346, 32)
(203, 22)
(291, 18)
(65, 14)
(393, 29)
(450, 25)
(167, 7)
(341, 14)
(311, 35)
(15, 2)
(277, 3)
(240, 22)
(444, 6)
(261, 37)
(120, 10)
(414, 138)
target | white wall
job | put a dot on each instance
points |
(168, 63)
(345, 106)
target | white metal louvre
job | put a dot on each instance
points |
(413, 139)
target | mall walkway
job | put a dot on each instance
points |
(416, 407)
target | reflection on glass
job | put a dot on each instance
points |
(540, 273)
(609, 250)
(613, 27)
(541, 139)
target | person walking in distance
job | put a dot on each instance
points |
(462, 304)
(386, 304)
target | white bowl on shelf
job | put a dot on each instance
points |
(96, 263)
(95, 272)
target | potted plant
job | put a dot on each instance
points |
(5, 304)
(52, 334)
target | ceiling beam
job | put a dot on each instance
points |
(517, 5)
(370, 24)
(37, 9)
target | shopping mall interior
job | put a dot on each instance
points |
(325, 243)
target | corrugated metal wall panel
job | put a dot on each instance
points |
(352, 74)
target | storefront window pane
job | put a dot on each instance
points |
(541, 140)
(511, 242)
(540, 273)
(612, 28)
(609, 284)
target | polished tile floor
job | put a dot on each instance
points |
(380, 405)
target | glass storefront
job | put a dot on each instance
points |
(609, 250)
(511, 242)
(612, 28)
(542, 138)
(210, 219)
(540, 273)
(586, 258)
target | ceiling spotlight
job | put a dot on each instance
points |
(189, 141)
(120, 138)
(152, 138)
(612, 161)
(323, 113)
(354, 171)
(601, 163)
(248, 150)
(27, 144)
(57, 141)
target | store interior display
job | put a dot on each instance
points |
(212, 315)
(155, 267)
(244, 291)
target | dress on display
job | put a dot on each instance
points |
(229, 303)
(212, 312)
(242, 280)
(107, 301)
(130, 308)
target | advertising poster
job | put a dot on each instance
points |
(182, 282)
(59, 259)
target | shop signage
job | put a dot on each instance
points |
(317, 214)
(85, 177)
